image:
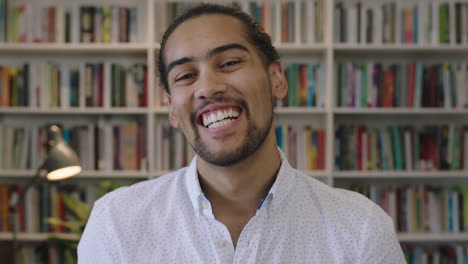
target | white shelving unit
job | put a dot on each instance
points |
(407, 238)
(328, 52)
(432, 238)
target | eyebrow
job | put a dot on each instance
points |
(211, 53)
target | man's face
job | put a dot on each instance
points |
(221, 95)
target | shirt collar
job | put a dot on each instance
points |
(283, 184)
(193, 185)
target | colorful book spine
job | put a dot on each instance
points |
(399, 148)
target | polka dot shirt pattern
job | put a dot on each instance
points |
(302, 220)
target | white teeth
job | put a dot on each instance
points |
(220, 123)
(219, 118)
(213, 118)
(208, 118)
(220, 115)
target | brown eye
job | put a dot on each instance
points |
(229, 63)
(185, 77)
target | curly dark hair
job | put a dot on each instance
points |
(254, 32)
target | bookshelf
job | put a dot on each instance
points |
(320, 46)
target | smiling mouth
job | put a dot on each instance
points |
(219, 117)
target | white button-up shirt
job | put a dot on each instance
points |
(301, 220)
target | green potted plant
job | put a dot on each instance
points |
(80, 212)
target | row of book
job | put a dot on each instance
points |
(452, 253)
(421, 208)
(412, 84)
(174, 151)
(43, 201)
(431, 147)
(294, 22)
(285, 21)
(406, 22)
(54, 85)
(101, 146)
(72, 23)
(306, 85)
(303, 146)
(37, 253)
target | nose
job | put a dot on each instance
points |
(210, 84)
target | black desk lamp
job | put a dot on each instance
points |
(61, 162)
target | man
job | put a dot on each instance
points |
(239, 201)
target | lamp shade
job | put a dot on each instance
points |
(62, 162)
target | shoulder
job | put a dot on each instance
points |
(349, 216)
(348, 206)
(137, 196)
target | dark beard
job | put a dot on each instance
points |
(252, 142)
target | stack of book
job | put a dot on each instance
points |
(285, 21)
(413, 84)
(56, 84)
(18, 143)
(105, 146)
(303, 146)
(453, 253)
(306, 85)
(169, 10)
(69, 23)
(174, 150)
(40, 203)
(422, 208)
(406, 22)
(299, 21)
(362, 148)
(129, 85)
(14, 85)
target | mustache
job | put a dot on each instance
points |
(207, 102)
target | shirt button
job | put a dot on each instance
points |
(221, 243)
(251, 243)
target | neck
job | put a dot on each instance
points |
(242, 185)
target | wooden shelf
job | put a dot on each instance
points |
(321, 175)
(288, 48)
(161, 110)
(73, 111)
(300, 110)
(292, 48)
(432, 238)
(75, 48)
(138, 175)
(402, 237)
(37, 237)
(400, 174)
(400, 47)
(400, 111)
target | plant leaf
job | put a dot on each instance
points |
(73, 226)
(77, 208)
(107, 186)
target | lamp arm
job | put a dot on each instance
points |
(15, 204)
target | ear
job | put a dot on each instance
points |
(279, 85)
(172, 118)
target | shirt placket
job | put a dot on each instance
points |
(249, 240)
(218, 234)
